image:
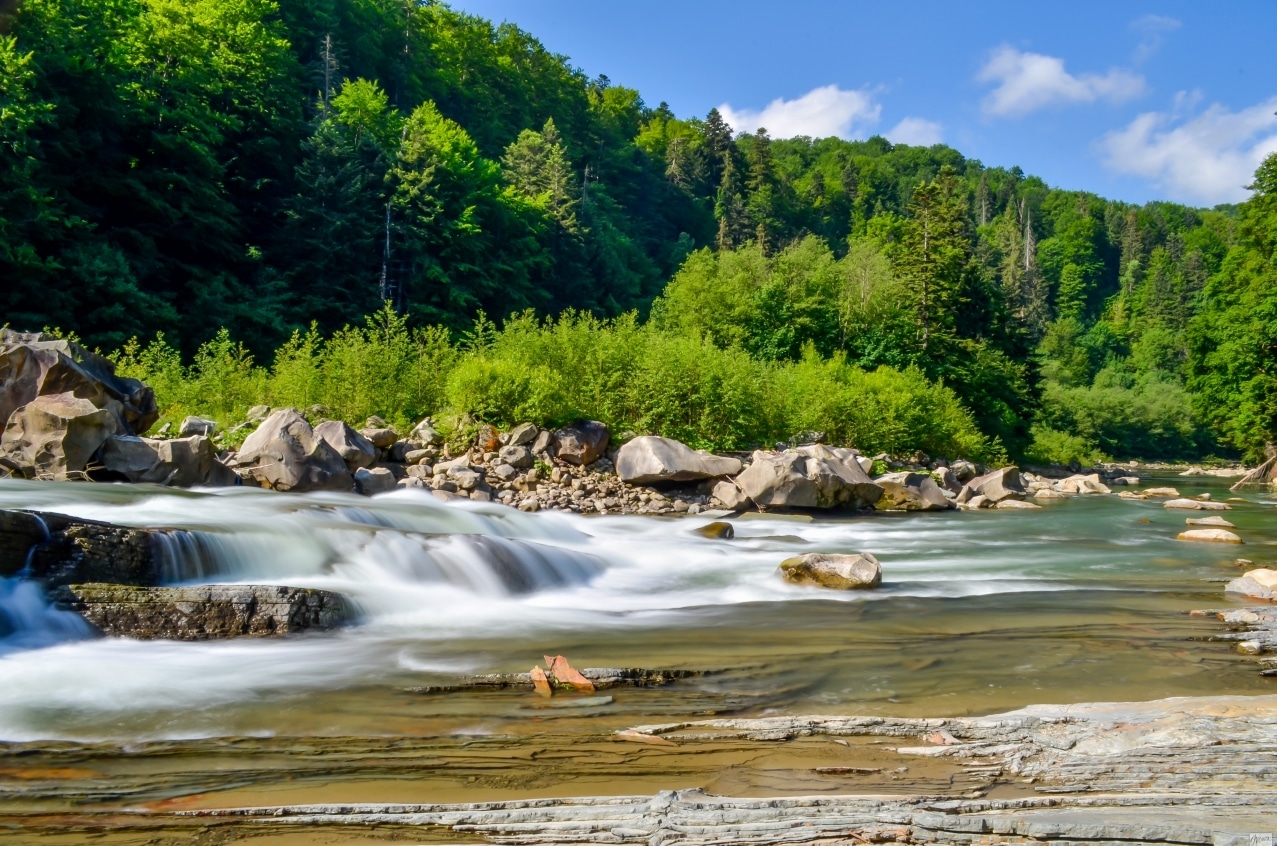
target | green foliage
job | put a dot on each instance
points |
(1051, 446)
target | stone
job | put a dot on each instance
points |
(1015, 505)
(910, 492)
(1217, 522)
(1196, 505)
(860, 571)
(355, 449)
(813, 476)
(374, 480)
(1051, 493)
(963, 470)
(997, 485)
(285, 454)
(206, 612)
(522, 435)
(417, 456)
(1209, 536)
(466, 479)
(530, 504)
(257, 413)
(1257, 584)
(718, 530)
(35, 364)
(866, 463)
(730, 496)
(581, 443)
(54, 436)
(186, 462)
(516, 456)
(542, 442)
(461, 461)
(947, 479)
(382, 437)
(425, 434)
(1080, 484)
(193, 425)
(411, 482)
(1127, 481)
(1160, 492)
(649, 460)
(505, 472)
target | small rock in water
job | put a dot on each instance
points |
(1209, 536)
(838, 572)
(1218, 522)
(1172, 492)
(1016, 505)
(717, 530)
(1195, 505)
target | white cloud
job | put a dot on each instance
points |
(819, 113)
(1205, 159)
(915, 131)
(1031, 81)
(1152, 28)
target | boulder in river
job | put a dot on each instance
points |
(814, 476)
(285, 454)
(911, 492)
(205, 612)
(581, 443)
(647, 460)
(994, 486)
(356, 450)
(1257, 584)
(859, 571)
(1196, 505)
(1217, 522)
(1209, 536)
(179, 462)
(1080, 484)
(54, 436)
(1160, 492)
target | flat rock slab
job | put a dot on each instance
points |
(206, 612)
(1196, 505)
(1209, 536)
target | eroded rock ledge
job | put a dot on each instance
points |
(1183, 771)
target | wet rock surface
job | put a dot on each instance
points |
(205, 612)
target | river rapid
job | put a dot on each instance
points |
(1083, 600)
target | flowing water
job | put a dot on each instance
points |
(1084, 600)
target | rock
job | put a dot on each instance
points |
(542, 442)
(424, 433)
(208, 612)
(461, 461)
(718, 530)
(730, 496)
(581, 443)
(813, 476)
(285, 454)
(257, 413)
(20, 531)
(1015, 505)
(517, 456)
(53, 436)
(977, 502)
(375, 480)
(1127, 480)
(417, 456)
(1209, 536)
(1218, 522)
(466, 479)
(186, 462)
(380, 436)
(61, 550)
(996, 486)
(1257, 584)
(964, 471)
(355, 449)
(648, 460)
(1082, 485)
(193, 425)
(838, 572)
(1051, 493)
(947, 481)
(34, 365)
(411, 482)
(530, 504)
(505, 472)
(522, 435)
(910, 492)
(1158, 492)
(1195, 505)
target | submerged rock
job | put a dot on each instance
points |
(860, 571)
(647, 460)
(206, 612)
(718, 530)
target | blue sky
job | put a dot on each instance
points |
(1134, 101)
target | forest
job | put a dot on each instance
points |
(250, 200)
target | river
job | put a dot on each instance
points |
(982, 612)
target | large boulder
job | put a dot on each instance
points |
(581, 443)
(374, 480)
(355, 449)
(1196, 505)
(179, 462)
(649, 459)
(995, 486)
(814, 476)
(205, 612)
(193, 425)
(839, 572)
(35, 364)
(54, 436)
(285, 454)
(1080, 484)
(1209, 536)
(1257, 584)
(911, 492)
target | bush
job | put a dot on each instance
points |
(1051, 446)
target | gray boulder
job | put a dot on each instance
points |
(859, 571)
(647, 460)
(1257, 584)
(179, 462)
(995, 486)
(517, 456)
(522, 435)
(729, 496)
(424, 433)
(196, 426)
(911, 492)
(356, 450)
(208, 612)
(375, 480)
(53, 436)
(964, 471)
(285, 454)
(382, 437)
(813, 476)
(581, 443)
